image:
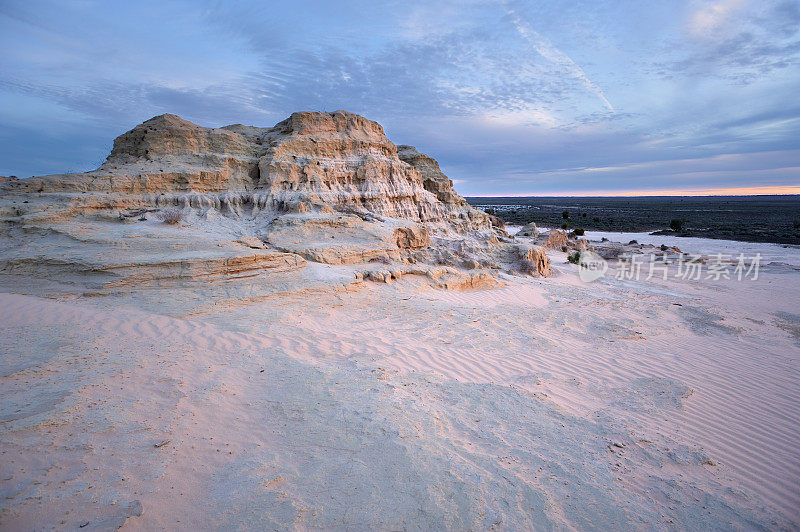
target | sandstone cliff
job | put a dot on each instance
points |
(310, 160)
(325, 187)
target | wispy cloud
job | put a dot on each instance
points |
(546, 49)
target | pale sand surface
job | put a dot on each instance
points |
(546, 403)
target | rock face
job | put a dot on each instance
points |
(310, 160)
(328, 187)
(342, 160)
(434, 179)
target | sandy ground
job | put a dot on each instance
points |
(547, 403)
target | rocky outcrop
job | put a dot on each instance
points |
(533, 260)
(308, 161)
(530, 230)
(342, 160)
(321, 187)
(555, 239)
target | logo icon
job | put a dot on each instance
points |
(591, 266)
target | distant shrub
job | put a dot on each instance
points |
(676, 224)
(596, 219)
(578, 232)
(564, 248)
(489, 211)
(797, 224)
(664, 247)
(632, 242)
(604, 239)
(172, 215)
(584, 215)
(574, 258)
(565, 215)
(564, 225)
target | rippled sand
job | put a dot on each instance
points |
(544, 403)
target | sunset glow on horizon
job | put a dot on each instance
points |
(732, 191)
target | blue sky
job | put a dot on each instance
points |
(512, 98)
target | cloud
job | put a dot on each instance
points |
(546, 49)
(471, 83)
(710, 17)
(726, 171)
(739, 41)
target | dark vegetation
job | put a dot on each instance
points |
(747, 218)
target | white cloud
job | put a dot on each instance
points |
(522, 115)
(710, 18)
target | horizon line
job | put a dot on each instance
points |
(700, 192)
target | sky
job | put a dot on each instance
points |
(511, 97)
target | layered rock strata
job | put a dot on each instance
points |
(327, 187)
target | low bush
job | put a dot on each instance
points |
(676, 224)
(574, 258)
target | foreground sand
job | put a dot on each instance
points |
(545, 403)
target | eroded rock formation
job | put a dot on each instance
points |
(327, 187)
